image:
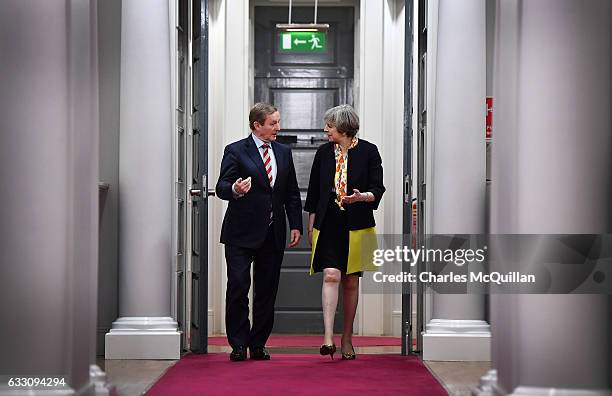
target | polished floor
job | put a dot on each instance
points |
(134, 377)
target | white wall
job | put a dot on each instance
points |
(230, 93)
(381, 108)
(392, 145)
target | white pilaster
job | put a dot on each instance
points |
(549, 90)
(49, 176)
(144, 329)
(455, 177)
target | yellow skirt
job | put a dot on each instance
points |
(362, 244)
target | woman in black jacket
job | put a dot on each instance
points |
(345, 187)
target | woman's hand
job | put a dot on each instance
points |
(356, 196)
(311, 220)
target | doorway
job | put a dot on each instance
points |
(303, 85)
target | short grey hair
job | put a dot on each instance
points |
(344, 119)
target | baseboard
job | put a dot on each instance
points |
(489, 387)
(396, 323)
(143, 338)
(495, 390)
(537, 391)
(457, 347)
(455, 340)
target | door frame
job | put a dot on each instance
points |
(228, 122)
(408, 327)
(199, 50)
(188, 191)
(179, 192)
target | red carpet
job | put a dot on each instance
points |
(298, 374)
(313, 341)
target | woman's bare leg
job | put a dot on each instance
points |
(329, 297)
(350, 295)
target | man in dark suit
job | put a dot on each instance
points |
(258, 179)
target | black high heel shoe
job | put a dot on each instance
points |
(328, 350)
(349, 355)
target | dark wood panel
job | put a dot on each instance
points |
(308, 297)
(306, 107)
(298, 323)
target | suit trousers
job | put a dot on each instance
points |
(267, 262)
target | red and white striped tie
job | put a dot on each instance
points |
(267, 162)
(268, 165)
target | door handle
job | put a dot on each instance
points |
(407, 189)
(197, 193)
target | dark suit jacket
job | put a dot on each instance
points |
(364, 172)
(247, 218)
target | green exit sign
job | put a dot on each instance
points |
(303, 41)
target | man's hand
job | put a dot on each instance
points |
(242, 186)
(296, 235)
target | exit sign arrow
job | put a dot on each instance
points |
(302, 41)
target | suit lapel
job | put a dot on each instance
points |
(330, 163)
(280, 160)
(253, 154)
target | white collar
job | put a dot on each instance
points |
(259, 142)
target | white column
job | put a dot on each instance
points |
(551, 174)
(145, 329)
(456, 188)
(369, 101)
(49, 179)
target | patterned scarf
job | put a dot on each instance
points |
(341, 167)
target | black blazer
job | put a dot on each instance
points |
(364, 173)
(247, 218)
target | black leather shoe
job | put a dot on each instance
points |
(260, 353)
(238, 354)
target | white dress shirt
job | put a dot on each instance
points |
(258, 144)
